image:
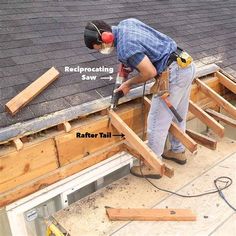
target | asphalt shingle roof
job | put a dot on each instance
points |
(36, 35)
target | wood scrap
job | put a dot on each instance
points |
(142, 214)
(25, 96)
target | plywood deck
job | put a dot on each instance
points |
(214, 217)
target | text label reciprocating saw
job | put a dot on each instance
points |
(122, 76)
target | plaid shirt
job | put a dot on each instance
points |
(134, 40)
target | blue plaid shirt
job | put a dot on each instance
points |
(134, 40)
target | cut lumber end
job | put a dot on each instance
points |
(168, 170)
(18, 144)
(30, 92)
(142, 214)
(66, 126)
(202, 139)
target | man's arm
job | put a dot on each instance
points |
(146, 72)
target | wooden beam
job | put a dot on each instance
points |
(18, 144)
(22, 190)
(217, 98)
(187, 141)
(25, 96)
(137, 143)
(19, 167)
(202, 139)
(228, 83)
(221, 117)
(206, 119)
(142, 214)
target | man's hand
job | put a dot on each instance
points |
(125, 88)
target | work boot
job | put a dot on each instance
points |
(146, 172)
(179, 158)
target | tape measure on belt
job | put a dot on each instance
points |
(181, 57)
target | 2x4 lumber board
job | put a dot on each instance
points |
(36, 125)
(19, 167)
(25, 96)
(202, 139)
(206, 119)
(137, 143)
(142, 214)
(71, 148)
(217, 98)
(228, 83)
(187, 141)
(53, 176)
(221, 117)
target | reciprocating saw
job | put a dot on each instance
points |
(122, 76)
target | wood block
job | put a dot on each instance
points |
(25, 96)
(18, 144)
(137, 143)
(202, 139)
(228, 83)
(220, 117)
(217, 98)
(65, 126)
(206, 119)
(143, 214)
(19, 167)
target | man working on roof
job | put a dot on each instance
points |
(149, 52)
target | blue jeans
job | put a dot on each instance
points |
(160, 117)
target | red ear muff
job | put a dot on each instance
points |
(107, 37)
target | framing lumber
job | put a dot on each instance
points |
(25, 96)
(47, 121)
(228, 107)
(136, 142)
(202, 139)
(187, 141)
(18, 167)
(206, 119)
(228, 83)
(221, 117)
(22, 190)
(142, 214)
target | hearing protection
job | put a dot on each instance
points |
(106, 37)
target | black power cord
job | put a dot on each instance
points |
(222, 179)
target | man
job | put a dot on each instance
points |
(149, 52)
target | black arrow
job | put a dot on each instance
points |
(121, 135)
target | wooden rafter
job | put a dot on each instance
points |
(206, 119)
(228, 83)
(228, 107)
(221, 117)
(136, 142)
